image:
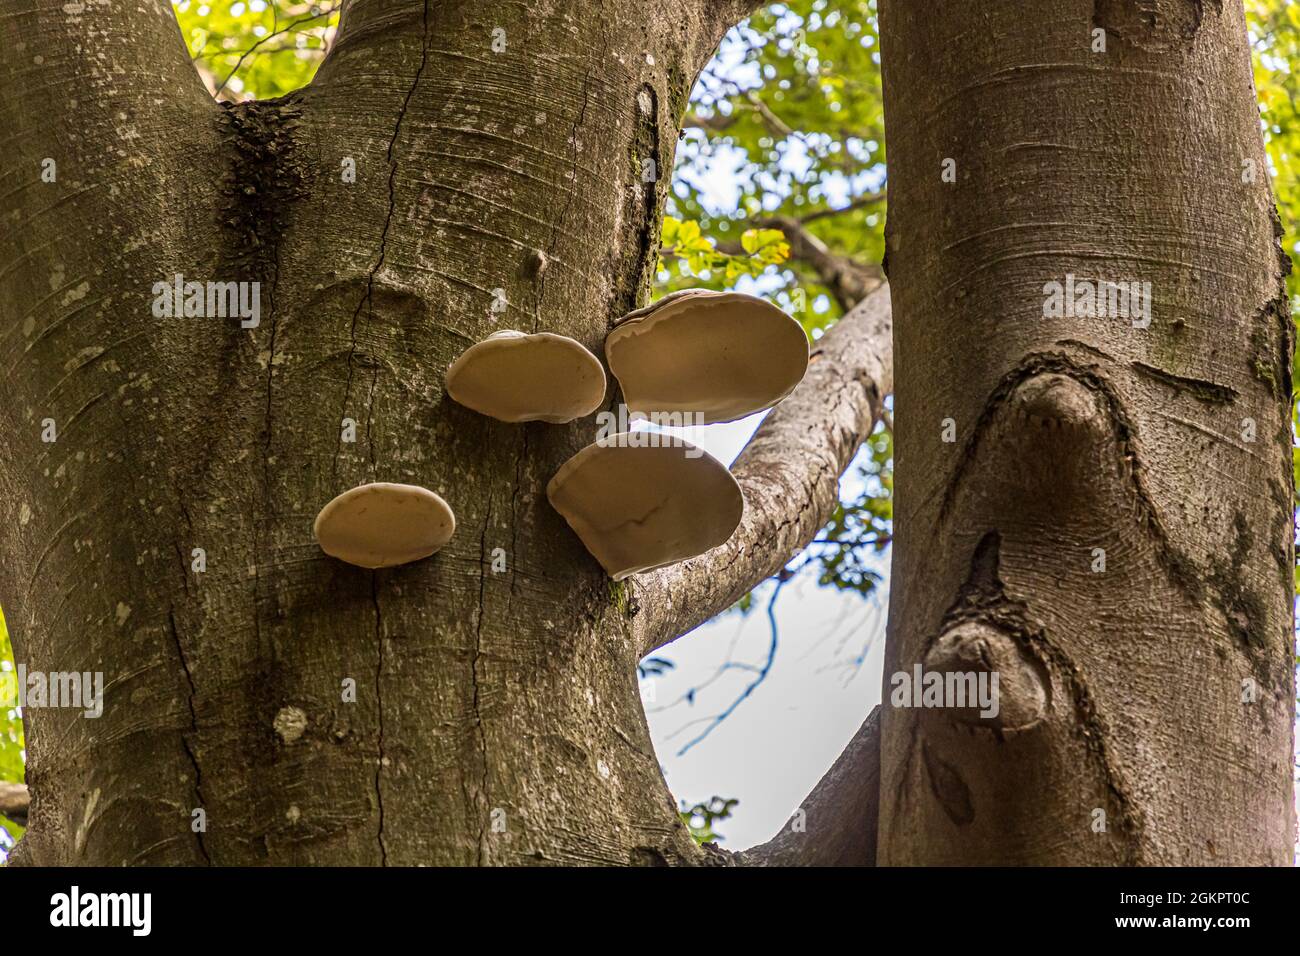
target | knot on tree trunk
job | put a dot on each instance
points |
(988, 679)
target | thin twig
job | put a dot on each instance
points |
(245, 55)
(762, 674)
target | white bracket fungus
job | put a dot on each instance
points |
(516, 377)
(718, 355)
(642, 500)
(382, 524)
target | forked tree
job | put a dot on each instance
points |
(1099, 512)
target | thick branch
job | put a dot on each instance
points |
(14, 800)
(789, 473)
(838, 824)
(861, 202)
(716, 123)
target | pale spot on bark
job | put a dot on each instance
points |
(290, 723)
(76, 294)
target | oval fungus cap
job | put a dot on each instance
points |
(642, 500)
(380, 525)
(516, 377)
(716, 355)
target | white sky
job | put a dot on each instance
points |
(777, 744)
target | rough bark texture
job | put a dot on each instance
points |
(1125, 691)
(497, 718)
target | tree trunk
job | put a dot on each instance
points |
(1145, 693)
(497, 146)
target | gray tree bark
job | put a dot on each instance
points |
(1146, 708)
(496, 717)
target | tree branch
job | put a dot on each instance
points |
(847, 279)
(288, 28)
(839, 819)
(788, 472)
(716, 123)
(861, 202)
(14, 800)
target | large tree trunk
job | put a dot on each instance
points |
(497, 718)
(1145, 708)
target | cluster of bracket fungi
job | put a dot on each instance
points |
(637, 505)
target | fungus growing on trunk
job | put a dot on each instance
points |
(718, 355)
(382, 524)
(515, 377)
(642, 500)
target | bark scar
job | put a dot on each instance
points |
(1153, 25)
(1123, 433)
(983, 598)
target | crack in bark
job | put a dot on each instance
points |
(514, 512)
(368, 298)
(474, 675)
(379, 706)
(264, 179)
(194, 726)
(645, 212)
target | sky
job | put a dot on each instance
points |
(775, 746)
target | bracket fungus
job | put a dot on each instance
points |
(716, 355)
(518, 377)
(643, 500)
(382, 524)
